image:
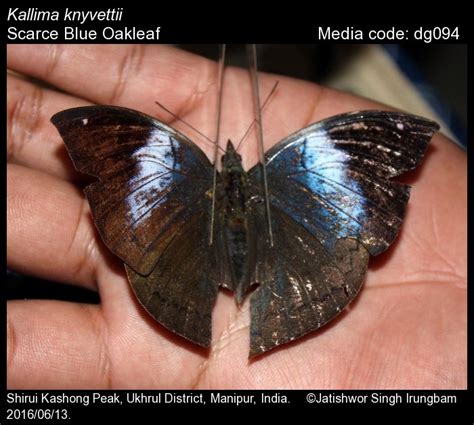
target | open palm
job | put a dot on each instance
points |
(407, 328)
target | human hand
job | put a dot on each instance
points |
(406, 329)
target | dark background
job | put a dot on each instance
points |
(442, 66)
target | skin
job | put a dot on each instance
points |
(407, 328)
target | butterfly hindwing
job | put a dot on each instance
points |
(302, 285)
(181, 290)
(151, 178)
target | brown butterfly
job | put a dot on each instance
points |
(332, 201)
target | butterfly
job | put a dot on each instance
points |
(332, 204)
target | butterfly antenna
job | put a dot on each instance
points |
(252, 52)
(178, 118)
(252, 125)
(220, 78)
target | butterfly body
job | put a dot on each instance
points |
(332, 202)
(234, 206)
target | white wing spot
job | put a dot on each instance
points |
(85, 121)
(383, 148)
(400, 126)
(359, 126)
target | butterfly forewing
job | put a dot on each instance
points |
(151, 179)
(334, 177)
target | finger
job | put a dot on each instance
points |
(32, 139)
(49, 232)
(56, 344)
(131, 75)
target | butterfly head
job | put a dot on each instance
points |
(231, 159)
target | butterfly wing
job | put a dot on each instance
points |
(334, 177)
(151, 209)
(302, 285)
(181, 290)
(151, 179)
(332, 202)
